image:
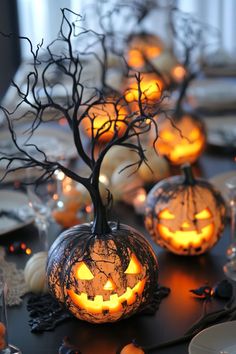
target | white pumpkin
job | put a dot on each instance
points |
(115, 157)
(158, 164)
(125, 181)
(35, 273)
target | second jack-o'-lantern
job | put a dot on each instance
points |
(181, 140)
(102, 278)
(184, 214)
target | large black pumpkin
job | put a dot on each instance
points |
(102, 278)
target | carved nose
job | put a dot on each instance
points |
(109, 285)
(185, 225)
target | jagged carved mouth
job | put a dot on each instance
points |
(186, 150)
(114, 304)
(184, 238)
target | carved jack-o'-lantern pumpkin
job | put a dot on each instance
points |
(181, 140)
(141, 48)
(151, 87)
(185, 215)
(102, 278)
(105, 120)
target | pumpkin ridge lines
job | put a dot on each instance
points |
(107, 257)
(190, 232)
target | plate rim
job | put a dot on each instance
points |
(57, 131)
(51, 128)
(208, 329)
(18, 225)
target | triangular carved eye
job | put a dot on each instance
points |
(166, 214)
(204, 214)
(83, 272)
(134, 266)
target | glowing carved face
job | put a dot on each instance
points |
(109, 300)
(186, 219)
(103, 288)
(102, 278)
(201, 229)
(182, 141)
(104, 120)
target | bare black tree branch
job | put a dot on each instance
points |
(67, 63)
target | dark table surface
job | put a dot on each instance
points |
(176, 313)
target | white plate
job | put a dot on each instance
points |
(218, 339)
(221, 131)
(13, 200)
(52, 139)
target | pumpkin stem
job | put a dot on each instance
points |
(188, 174)
(100, 223)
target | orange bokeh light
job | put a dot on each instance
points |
(178, 73)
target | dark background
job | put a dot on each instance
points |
(9, 48)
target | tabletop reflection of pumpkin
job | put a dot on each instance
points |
(181, 140)
(184, 214)
(103, 278)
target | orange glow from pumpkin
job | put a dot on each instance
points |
(204, 214)
(83, 272)
(185, 149)
(182, 142)
(136, 57)
(166, 214)
(110, 285)
(141, 47)
(186, 236)
(180, 294)
(134, 266)
(104, 122)
(113, 305)
(151, 87)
